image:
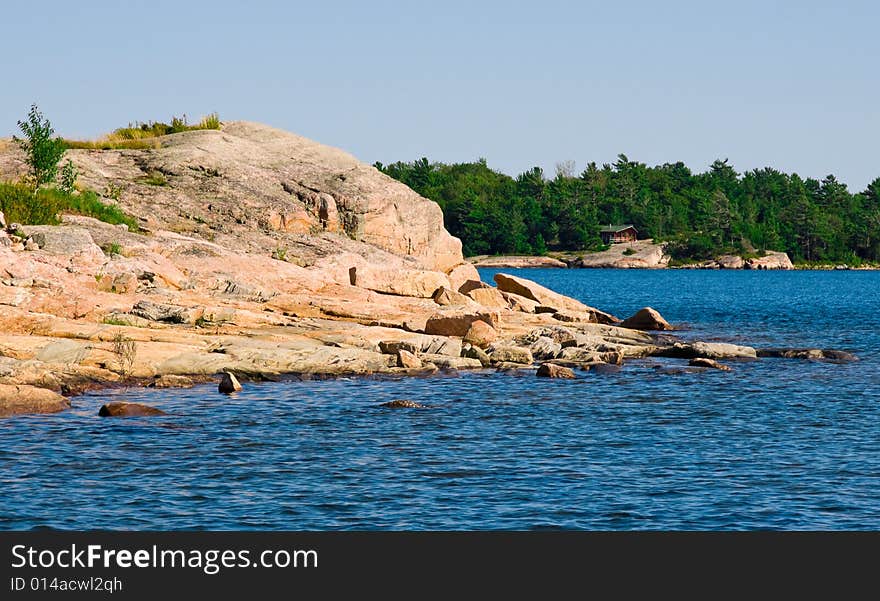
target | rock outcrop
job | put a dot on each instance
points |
(641, 254)
(266, 254)
(771, 260)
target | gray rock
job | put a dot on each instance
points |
(167, 313)
(392, 347)
(545, 348)
(510, 354)
(709, 350)
(447, 362)
(475, 352)
(61, 239)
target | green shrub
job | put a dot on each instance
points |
(42, 150)
(629, 252)
(21, 205)
(68, 177)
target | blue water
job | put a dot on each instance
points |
(773, 444)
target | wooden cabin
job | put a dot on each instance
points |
(615, 234)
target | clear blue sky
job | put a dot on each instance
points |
(793, 85)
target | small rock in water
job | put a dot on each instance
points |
(402, 404)
(646, 319)
(549, 370)
(711, 363)
(123, 409)
(228, 384)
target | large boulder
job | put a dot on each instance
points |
(519, 303)
(489, 297)
(460, 274)
(444, 297)
(19, 399)
(457, 323)
(63, 240)
(400, 282)
(551, 301)
(123, 409)
(480, 334)
(646, 319)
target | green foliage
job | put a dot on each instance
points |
(43, 151)
(701, 215)
(111, 249)
(20, 204)
(68, 177)
(629, 252)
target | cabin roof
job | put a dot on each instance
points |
(613, 229)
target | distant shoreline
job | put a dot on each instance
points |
(568, 260)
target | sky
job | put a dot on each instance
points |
(791, 85)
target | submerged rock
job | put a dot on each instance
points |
(229, 384)
(123, 409)
(710, 363)
(403, 404)
(801, 353)
(646, 319)
(549, 370)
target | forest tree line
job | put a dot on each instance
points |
(701, 215)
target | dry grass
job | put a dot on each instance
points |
(144, 136)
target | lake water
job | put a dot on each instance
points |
(773, 444)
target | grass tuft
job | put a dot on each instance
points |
(142, 136)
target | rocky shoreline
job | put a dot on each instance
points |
(641, 254)
(266, 254)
